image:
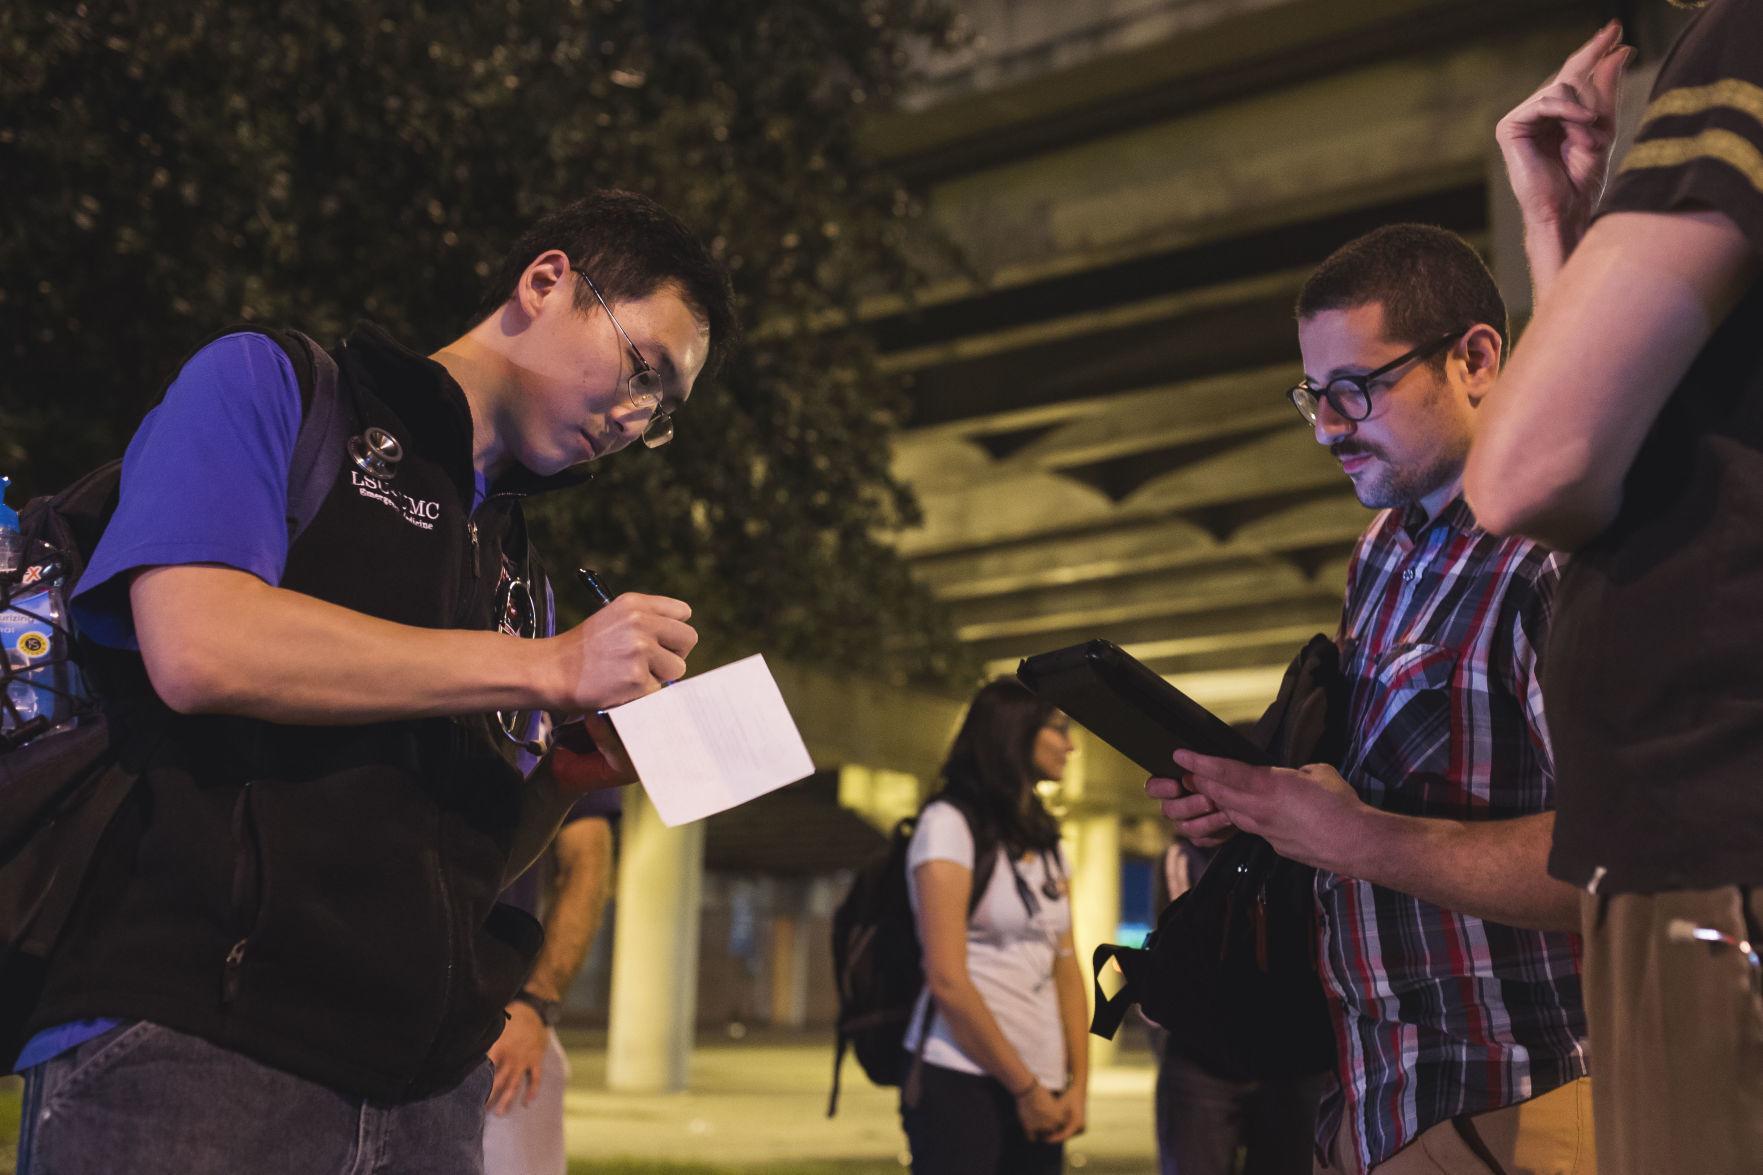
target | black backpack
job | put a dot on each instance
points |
(60, 791)
(878, 963)
(1231, 970)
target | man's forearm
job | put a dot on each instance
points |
(1492, 869)
(217, 640)
(578, 904)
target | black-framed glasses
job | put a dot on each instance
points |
(1350, 395)
(644, 389)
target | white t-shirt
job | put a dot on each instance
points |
(1009, 953)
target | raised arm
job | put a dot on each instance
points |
(1631, 309)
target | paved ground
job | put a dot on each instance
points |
(763, 1099)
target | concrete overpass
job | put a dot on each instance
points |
(1099, 437)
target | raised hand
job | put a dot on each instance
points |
(1556, 144)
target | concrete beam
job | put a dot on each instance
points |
(1184, 591)
(987, 508)
(1154, 638)
(1388, 125)
(1079, 432)
(1007, 99)
(1065, 556)
(850, 720)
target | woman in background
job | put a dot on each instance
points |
(1005, 1065)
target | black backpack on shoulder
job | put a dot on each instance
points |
(1231, 970)
(878, 963)
(60, 789)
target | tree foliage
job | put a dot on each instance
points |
(176, 168)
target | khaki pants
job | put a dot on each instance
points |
(1547, 1135)
(1676, 1035)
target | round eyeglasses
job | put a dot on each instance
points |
(1350, 395)
(644, 389)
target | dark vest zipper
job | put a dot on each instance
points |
(438, 879)
(245, 896)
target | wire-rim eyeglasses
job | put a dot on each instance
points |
(644, 389)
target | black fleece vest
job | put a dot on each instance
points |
(323, 899)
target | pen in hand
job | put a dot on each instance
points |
(594, 584)
(574, 736)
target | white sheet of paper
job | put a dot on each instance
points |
(713, 741)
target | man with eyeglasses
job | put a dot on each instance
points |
(1447, 951)
(290, 956)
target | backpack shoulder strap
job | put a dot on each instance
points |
(324, 432)
(324, 419)
(985, 850)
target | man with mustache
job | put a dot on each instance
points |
(1446, 949)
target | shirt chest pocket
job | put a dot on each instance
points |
(1400, 753)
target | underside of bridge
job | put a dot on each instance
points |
(1100, 437)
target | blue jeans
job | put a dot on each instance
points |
(152, 1101)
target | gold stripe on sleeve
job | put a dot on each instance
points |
(1734, 93)
(1733, 150)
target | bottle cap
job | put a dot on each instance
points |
(8, 516)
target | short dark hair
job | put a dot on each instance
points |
(632, 248)
(1430, 281)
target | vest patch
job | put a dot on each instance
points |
(418, 512)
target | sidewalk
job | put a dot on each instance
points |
(763, 1099)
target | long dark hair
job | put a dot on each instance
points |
(990, 769)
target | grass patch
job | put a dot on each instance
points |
(11, 1096)
(646, 1167)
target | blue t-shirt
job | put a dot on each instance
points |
(204, 480)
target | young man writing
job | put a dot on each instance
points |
(290, 956)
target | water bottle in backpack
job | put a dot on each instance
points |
(40, 684)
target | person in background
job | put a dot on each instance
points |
(289, 956)
(1628, 429)
(1203, 1119)
(1006, 1063)
(523, 1133)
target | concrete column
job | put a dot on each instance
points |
(654, 951)
(790, 944)
(1093, 844)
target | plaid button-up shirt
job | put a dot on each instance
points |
(1439, 1013)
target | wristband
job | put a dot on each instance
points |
(1034, 1083)
(550, 1011)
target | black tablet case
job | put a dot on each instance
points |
(1114, 696)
